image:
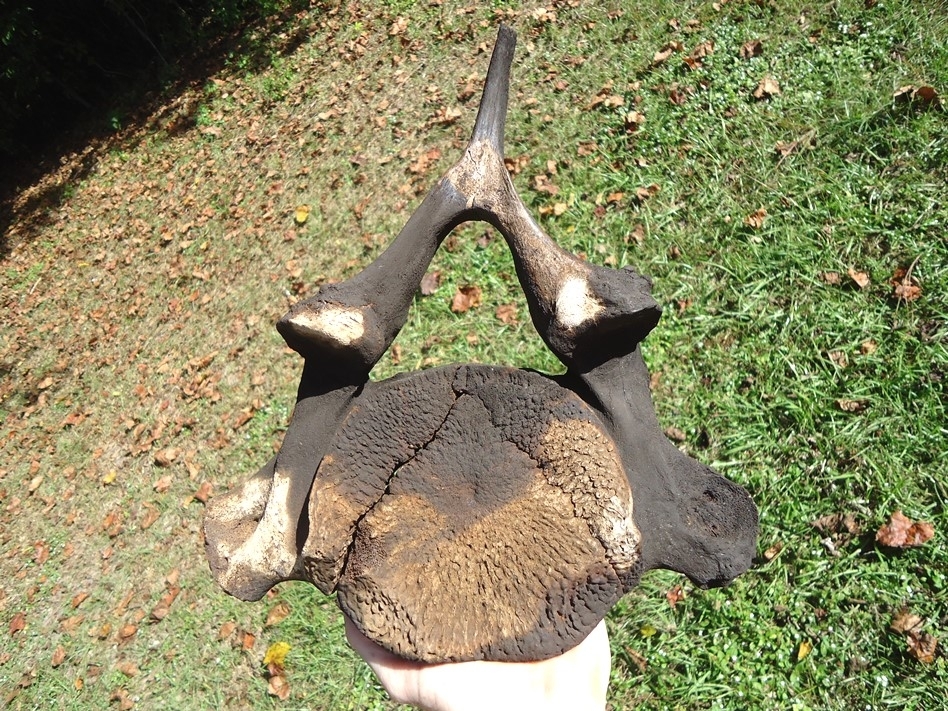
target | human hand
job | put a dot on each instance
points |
(576, 680)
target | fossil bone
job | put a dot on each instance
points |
(478, 512)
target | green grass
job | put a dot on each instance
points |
(755, 350)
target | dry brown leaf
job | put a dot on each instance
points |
(678, 98)
(902, 532)
(163, 484)
(430, 283)
(767, 88)
(868, 347)
(248, 641)
(633, 121)
(903, 621)
(905, 287)
(226, 630)
(165, 457)
(922, 646)
(831, 278)
(127, 632)
(861, 279)
(278, 686)
(148, 520)
(836, 523)
(756, 219)
(639, 661)
(665, 52)
(637, 235)
(59, 656)
(924, 96)
(542, 184)
(127, 668)
(702, 50)
(18, 623)
(204, 492)
(507, 313)
(398, 27)
(773, 551)
(643, 193)
(847, 405)
(674, 596)
(752, 48)
(163, 606)
(466, 298)
(125, 702)
(277, 614)
(675, 434)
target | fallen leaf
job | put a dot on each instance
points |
(750, 49)
(18, 623)
(165, 457)
(905, 287)
(125, 702)
(398, 27)
(665, 52)
(702, 50)
(59, 656)
(756, 219)
(637, 235)
(430, 283)
(839, 358)
(204, 492)
(277, 614)
(637, 659)
(803, 650)
(674, 596)
(837, 523)
(643, 193)
(163, 484)
(127, 632)
(129, 669)
(903, 621)
(831, 278)
(922, 646)
(278, 686)
(35, 483)
(924, 96)
(675, 434)
(902, 532)
(773, 551)
(678, 98)
(148, 520)
(847, 405)
(226, 630)
(507, 313)
(109, 478)
(868, 347)
(466, 298)
(542, 184)
(248, 640)
(767, 88)
(163, 606)
(861, 279)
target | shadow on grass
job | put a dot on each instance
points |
(41, 177)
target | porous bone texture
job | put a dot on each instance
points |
(472, 512)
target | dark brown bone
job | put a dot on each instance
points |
(473, 512)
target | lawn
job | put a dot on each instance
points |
(780, 170)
